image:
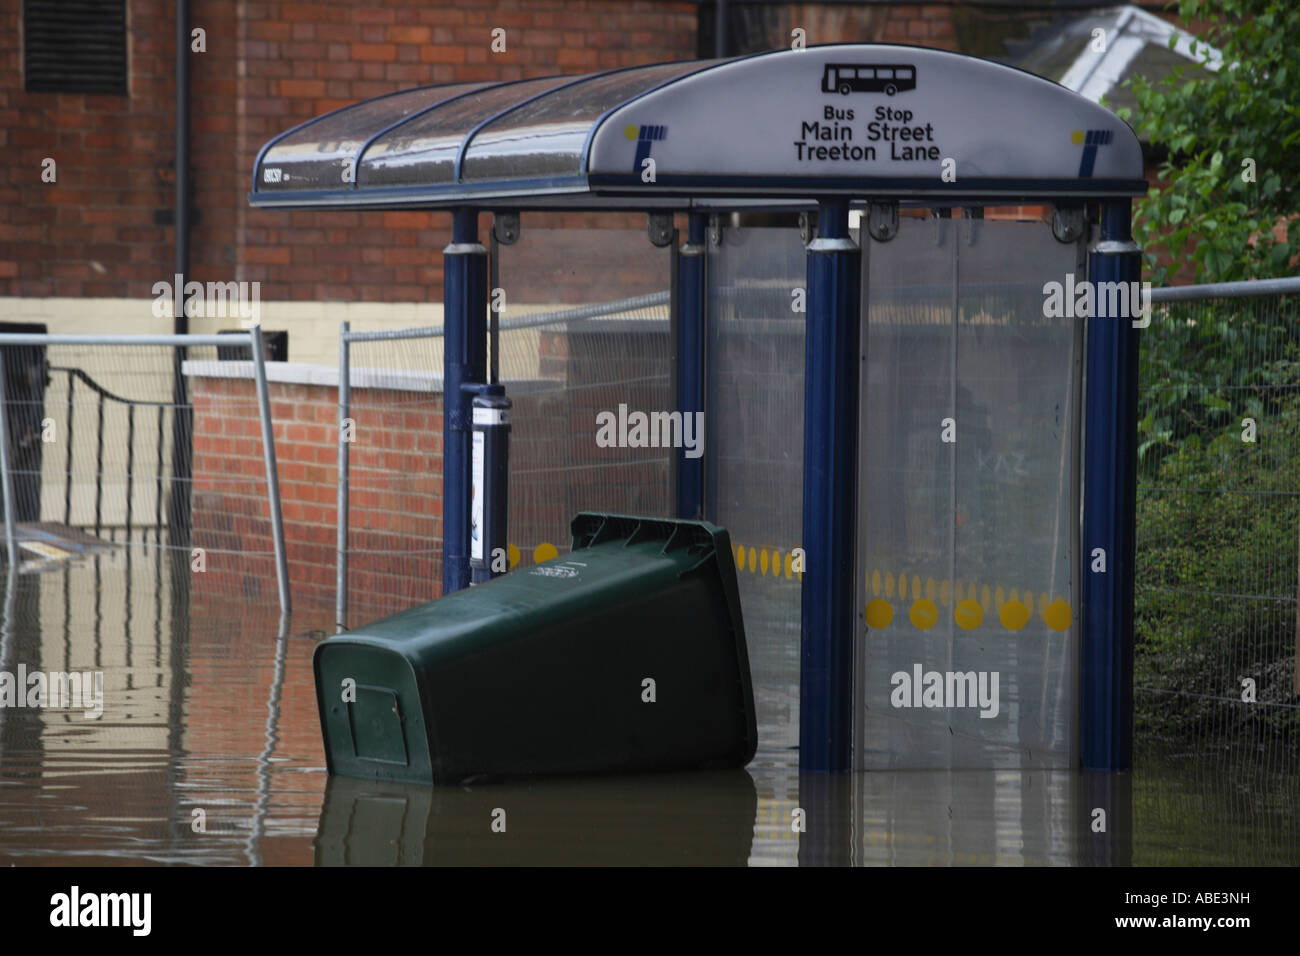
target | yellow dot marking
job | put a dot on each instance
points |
(1057, 615)
(512, 555)
(985, 597)
(999, 598)
(1076, 137)
(789, 566)
(762, 561)
(740, 557)
(945, 592)
(544, 552)
(753, 559)
(916, 586)
(923, 614)
(968, 615)
(875, 582)
(630, 132)
(889, 584)
(879, 614)
(929, 590)
(1013, 615)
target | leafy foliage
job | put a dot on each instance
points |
(1206, 366)
(1216, 124)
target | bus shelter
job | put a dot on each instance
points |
(918, 419)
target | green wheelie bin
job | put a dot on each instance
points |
(627, 654)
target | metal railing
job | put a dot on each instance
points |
(1227, 290)
(73, 376)
(104, 395)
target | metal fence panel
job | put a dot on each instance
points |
(1218, 517)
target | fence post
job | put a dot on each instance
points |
(11, 541)
(272, 476)
(341, 519)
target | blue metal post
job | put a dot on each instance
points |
(690, 362)
(1109, 504)
(464, 359)
(830, 520)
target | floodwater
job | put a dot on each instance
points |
(208, 751)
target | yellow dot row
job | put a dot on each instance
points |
(1014, 607)
(761, 561)
(968, 615)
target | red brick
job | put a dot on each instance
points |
(412, 34)
(442, 54)
(374, 52)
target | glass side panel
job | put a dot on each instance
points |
(968, 507)
(755, 449)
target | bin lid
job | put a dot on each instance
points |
(845, 119)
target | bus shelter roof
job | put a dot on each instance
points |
(861, 121)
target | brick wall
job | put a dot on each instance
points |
(767, 27)
(104, 228)
(396, 490)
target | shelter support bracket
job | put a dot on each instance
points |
(882, 221)
(505, 227)
(659, 227)
(1068, 223)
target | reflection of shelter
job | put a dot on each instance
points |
(840, 357)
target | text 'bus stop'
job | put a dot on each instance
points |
(918, 421)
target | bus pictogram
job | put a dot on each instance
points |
(888, 78)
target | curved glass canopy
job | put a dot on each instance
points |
(858, 120)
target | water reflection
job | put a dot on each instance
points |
(209, 705)
(652, 819)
